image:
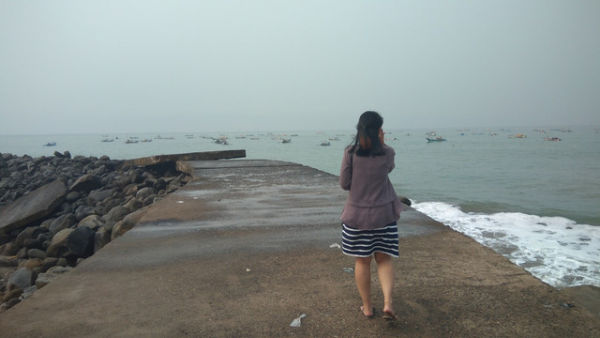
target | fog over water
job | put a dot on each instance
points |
(177, 66)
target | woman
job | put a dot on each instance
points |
(371, 210)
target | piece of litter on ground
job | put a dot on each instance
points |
(248, 270)
(195, 197)
(335, 245)
(179, 202)
(349, 270)
(297, 321)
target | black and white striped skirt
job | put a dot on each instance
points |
(363, 243)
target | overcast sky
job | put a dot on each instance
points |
(146, 66)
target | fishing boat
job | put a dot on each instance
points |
(325, 143)
(435, 139)
(221, 140)
(553, 139)
(286, 140)
(50, 144)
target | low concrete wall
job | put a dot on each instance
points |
(199, 156)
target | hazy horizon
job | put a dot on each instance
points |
(91, 67)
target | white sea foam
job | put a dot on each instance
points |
(556, 250)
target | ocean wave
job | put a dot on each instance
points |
(556, 250)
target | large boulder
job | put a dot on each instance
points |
(80, 242)
(86, 183)
(32, 207)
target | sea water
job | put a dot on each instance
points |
(534, 201)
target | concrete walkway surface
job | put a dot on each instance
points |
(244, 249)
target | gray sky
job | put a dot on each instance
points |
(136, 66)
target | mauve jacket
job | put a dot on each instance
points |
(372, 202)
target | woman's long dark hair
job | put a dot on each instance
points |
(367, 129)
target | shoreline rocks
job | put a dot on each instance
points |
(56, 211)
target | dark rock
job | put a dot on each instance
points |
(73, 196)
(67, 154)
(33, 243)
(125, 180)
(160, 184)
(104, 158)
(22, 279)
(115, 214)
(46, 224)
(58, 154)
(150, 182)
(83, 211)
(133, 204)
(149, 200)
(86, 183)
(28, 233)
(32, 207)
(62, 262)
(65, 208)
(36, 253)
(80, 242)
(111, 203)
(100, 195)
(92, 221)
(48, 262)
(130, 189)
(143, 193)
(58, 245)
(62, 222)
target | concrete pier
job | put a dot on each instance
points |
(244, 249)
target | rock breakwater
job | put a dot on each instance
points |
(56, 211)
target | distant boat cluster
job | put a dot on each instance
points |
(430, 137)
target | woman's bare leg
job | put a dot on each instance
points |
(362, 275)
(385, 271)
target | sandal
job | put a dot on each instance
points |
(389, 315)
(363, 312)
